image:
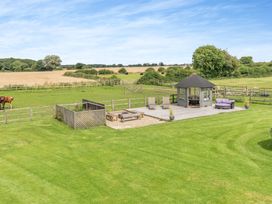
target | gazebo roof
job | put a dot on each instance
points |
(194, 81)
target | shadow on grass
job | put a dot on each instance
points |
(266, 144)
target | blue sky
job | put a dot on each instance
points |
(138, 31)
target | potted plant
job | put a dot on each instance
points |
(246, 103)
(171, 115)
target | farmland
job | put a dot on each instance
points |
(206, 160)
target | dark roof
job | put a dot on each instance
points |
(194, 81)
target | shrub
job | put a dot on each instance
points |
(151, 78)
(87, 71)
(81, 75)
(122, 71)
(105, 72)
(79, 65)
(113, 80)
(177, 73)
(150, 69)
(161, 70)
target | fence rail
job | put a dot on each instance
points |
(25, 114)
(254, 95)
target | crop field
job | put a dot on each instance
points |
(219, 159)
(36, 78)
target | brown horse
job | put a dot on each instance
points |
(6, 99)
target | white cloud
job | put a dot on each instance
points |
(133, 32)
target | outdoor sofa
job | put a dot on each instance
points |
(222, 103)
(124, 116)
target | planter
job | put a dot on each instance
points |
(171, 118)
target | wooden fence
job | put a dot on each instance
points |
(239, 93)
(82, 115)
(25, 114)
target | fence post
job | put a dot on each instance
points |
(30, 114)
(129, 103)
(225, 92)
(112, 105)
(246, 91)
(145, 101)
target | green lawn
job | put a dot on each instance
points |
(130, 78)
(264, 82)
(73, 95)
(219, 159)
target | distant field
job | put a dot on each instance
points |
(264, 82)
(41, 78)
(36, 78)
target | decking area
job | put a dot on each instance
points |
(182, 113)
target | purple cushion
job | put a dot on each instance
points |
(223, 101)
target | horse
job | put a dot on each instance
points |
(6, 99)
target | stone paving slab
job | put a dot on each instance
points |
(182, 113)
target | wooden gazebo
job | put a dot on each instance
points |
(194, 91)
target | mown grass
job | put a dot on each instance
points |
(73, 95)
(219, 159)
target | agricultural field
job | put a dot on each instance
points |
(36, 78)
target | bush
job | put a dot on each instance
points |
(175, 74)
(151, 78)
(161, 70)
(79, 74)
(150, 69)
(113, 80)
(122, 71)
(79, 65)
(105, 72)
(257, 70)
(87, 71)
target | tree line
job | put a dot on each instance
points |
(209, 62)
(49, 63)
(213, 62)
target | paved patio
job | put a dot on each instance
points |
(145, 121)
(182, 113)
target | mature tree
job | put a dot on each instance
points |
(161, 64)
(214, 62)
(18, 66)
(177, 73)
(39, 66)
(51, 62)
(79, 65)
(247, 60)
